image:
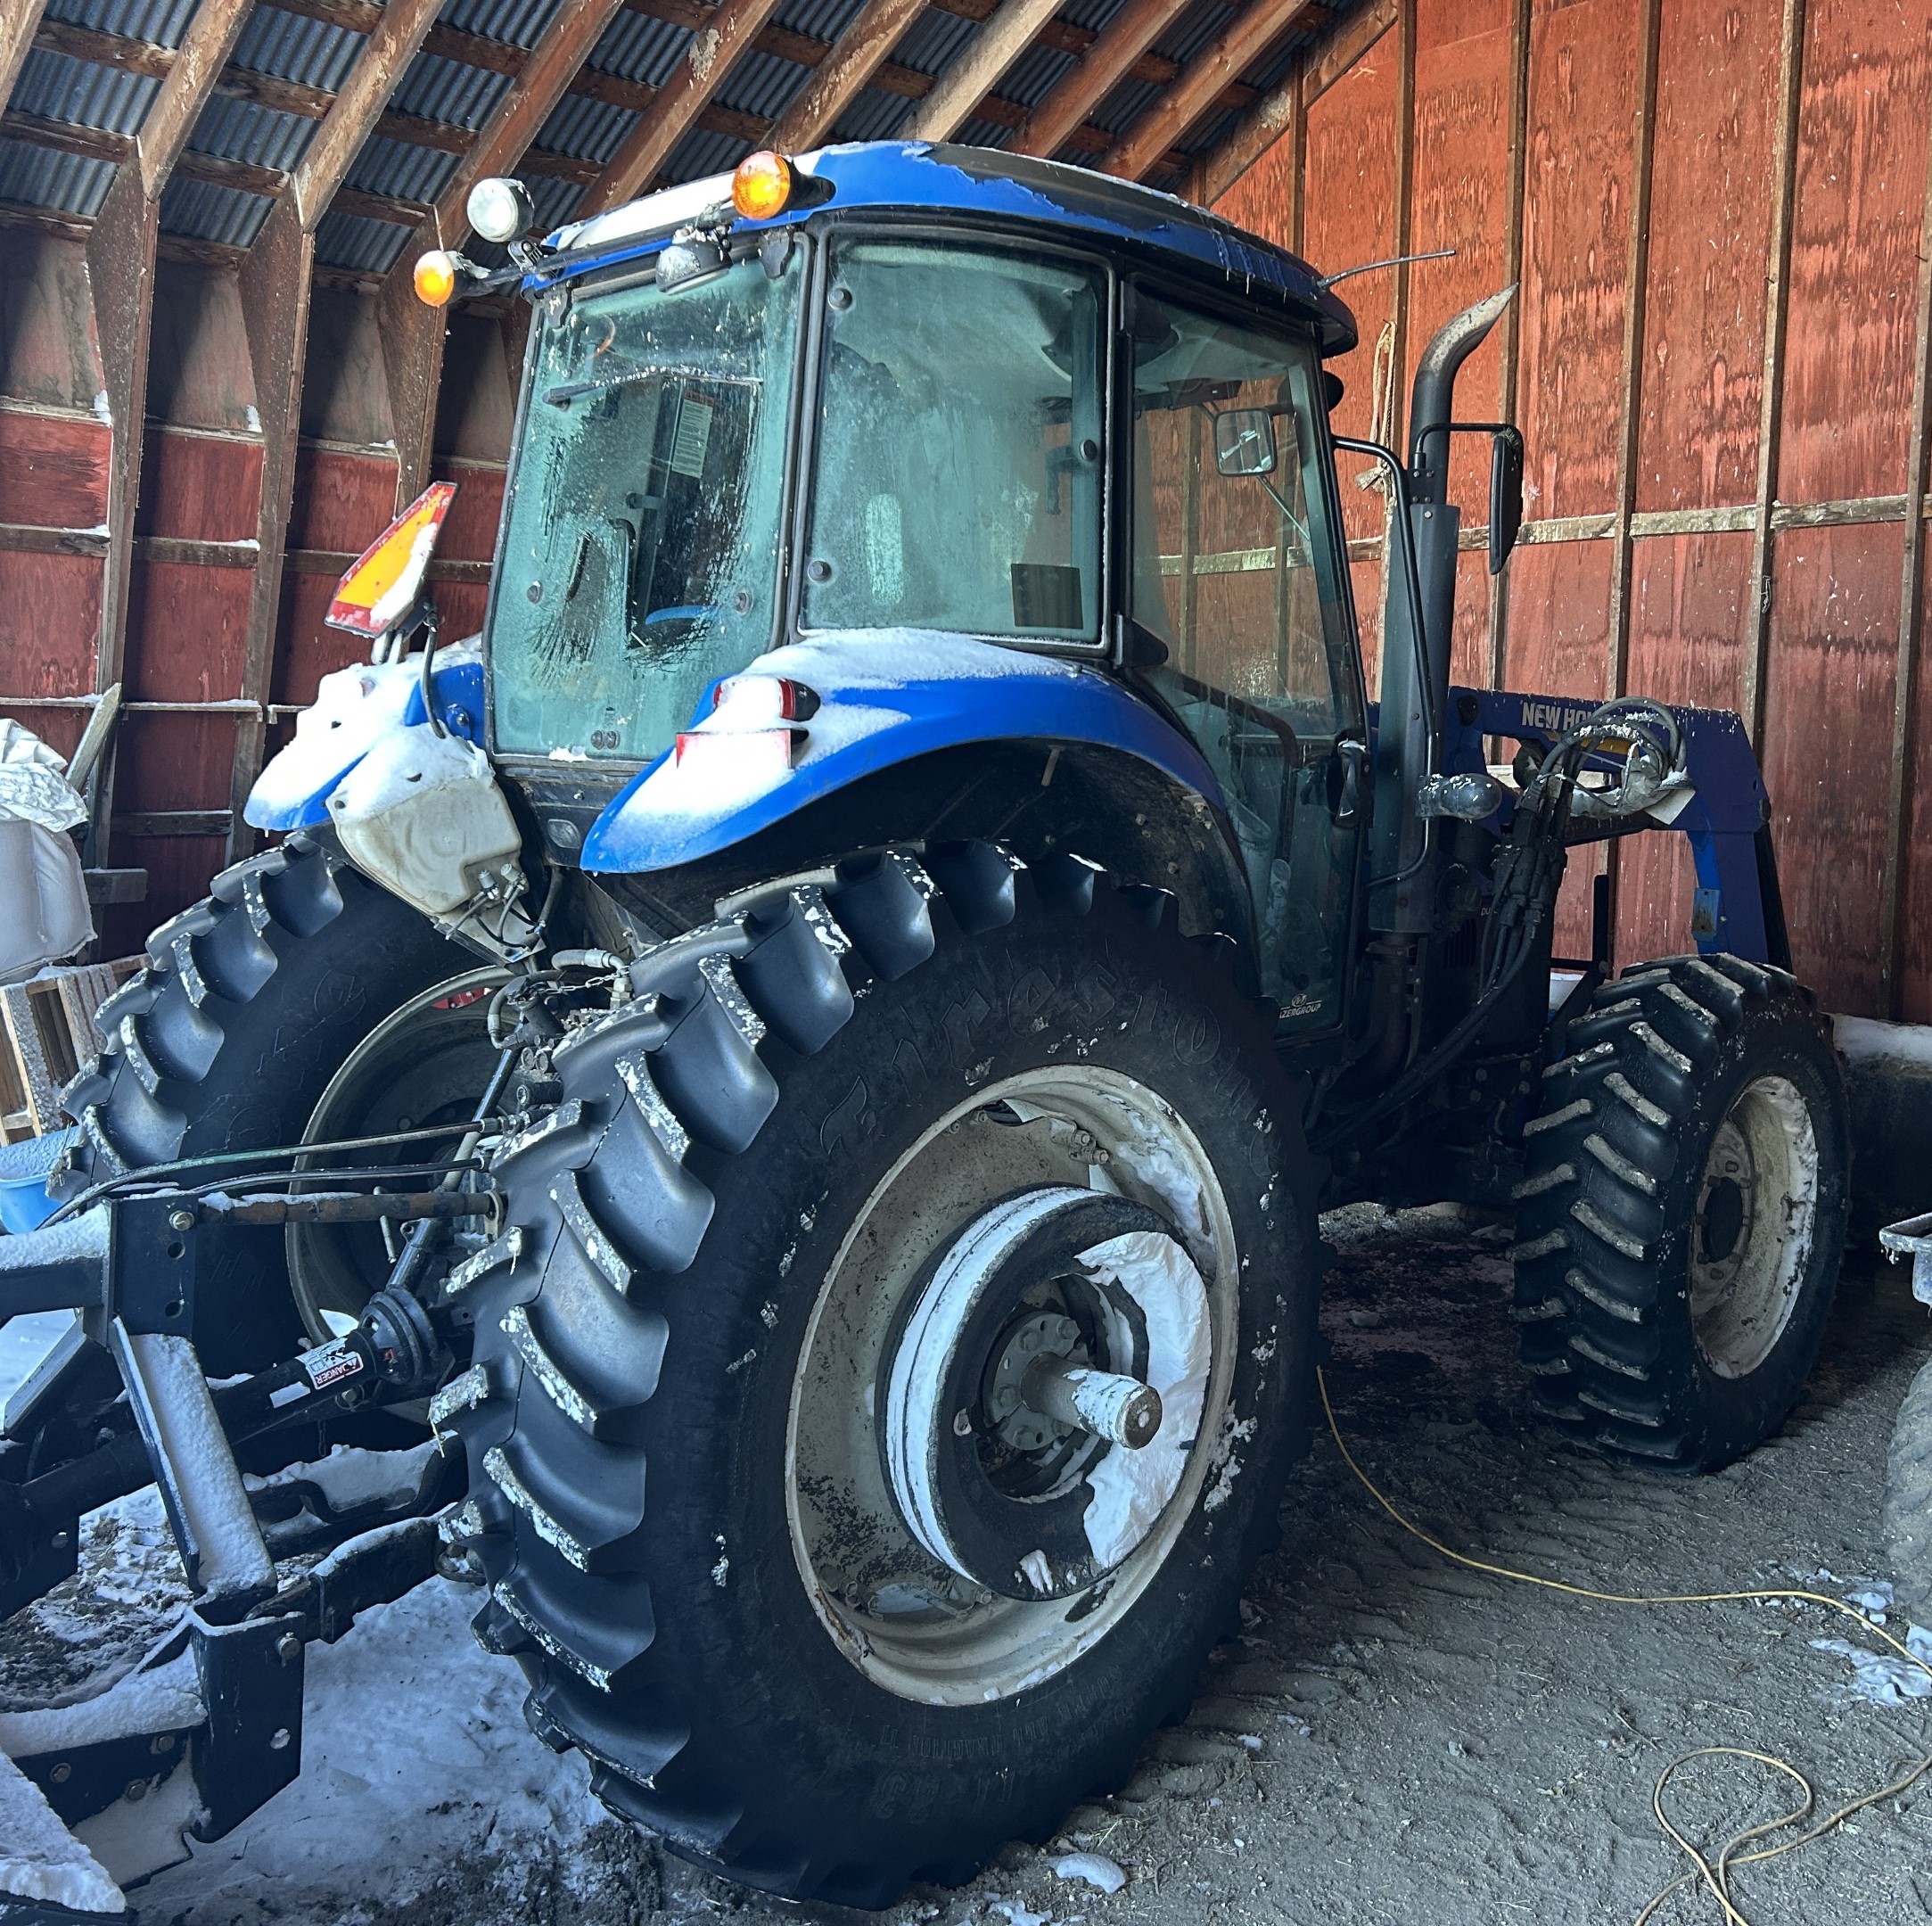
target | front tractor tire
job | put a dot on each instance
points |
(249, 1003)
(773, 1509)
(1681, 1216)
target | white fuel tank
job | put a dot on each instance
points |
(421, 814)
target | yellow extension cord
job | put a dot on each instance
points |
(1716, 1875)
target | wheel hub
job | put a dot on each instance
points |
(1751, 1240)
(1026, 1362)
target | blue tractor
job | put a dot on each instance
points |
(814, 1047)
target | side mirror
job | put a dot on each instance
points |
(1244, 443)
(1505, 496)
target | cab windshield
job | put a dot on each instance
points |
(640, 558)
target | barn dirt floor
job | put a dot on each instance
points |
(1392, 1739)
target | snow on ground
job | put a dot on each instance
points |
(1390, 1740)
(24, 1342)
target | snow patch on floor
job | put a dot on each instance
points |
(414, 1748)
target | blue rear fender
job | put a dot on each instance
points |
(885, 698)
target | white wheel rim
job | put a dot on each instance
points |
(1751, 1236)
(920, 1630)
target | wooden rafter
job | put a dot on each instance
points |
(1102, 68)
(851, 64)
(1276, 113)
(685, 93)
(412, 335)
(17, 26)
(277, 282)
(121, 269)
(1202, 83)
(978, 70)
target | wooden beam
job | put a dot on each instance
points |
(277, 282)
(120, 269)
(1629, 401)
(390, 46)
(1901, 795)
(1106, 64)
(1199, 84)
(1771, 391)
(1510, 345)
(1284, 106)
(978, 69)
(1405, 219)
(17, 29)
(852, 61)
(687, 91)
(412, 334)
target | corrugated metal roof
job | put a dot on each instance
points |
(448, 90)
(1091, 14)
(875, 115)
(351, 241)
(1120, 109)
(1198, 24)
(1035, 74)
(292, 47)
(635, 48)
(557, 200)
(764, 84)
(823, 20)
(161, 22)
(517, 22)
(700, 153)
(243, 131)
(81, 93)
(396, 167)
(595, 129)
(38, 177)
(934, 41)
(204, 212)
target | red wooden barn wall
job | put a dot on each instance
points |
(200, 484)
(1515, 131)
(1645, 392)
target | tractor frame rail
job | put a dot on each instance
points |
(222, 1693)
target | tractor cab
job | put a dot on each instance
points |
(929, 402)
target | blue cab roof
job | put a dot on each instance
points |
(912, 176)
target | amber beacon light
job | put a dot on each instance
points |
(762, 185)
(435, 277)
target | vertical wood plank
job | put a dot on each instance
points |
(1636, 285)
(1510, 345)
(1911, 632)
(1771, 391)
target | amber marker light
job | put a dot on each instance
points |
(761, 186)
(435, 277)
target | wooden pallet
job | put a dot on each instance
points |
(50, 1032)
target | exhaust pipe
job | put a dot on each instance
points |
(1402, 900)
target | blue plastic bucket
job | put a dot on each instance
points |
(24, 1203)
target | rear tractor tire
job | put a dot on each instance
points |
(1682, 1216)
(773, 1509)
(250, 1003)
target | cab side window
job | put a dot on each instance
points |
(1235, 570)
